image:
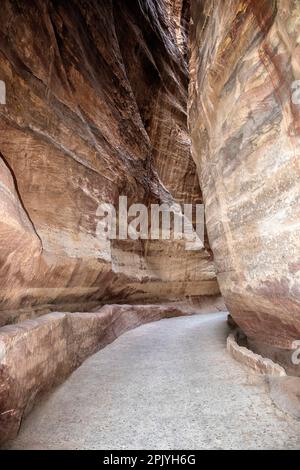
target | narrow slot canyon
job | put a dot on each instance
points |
(149, 224)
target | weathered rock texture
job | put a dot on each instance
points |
(245, 129)
(248, 358)
(96, 108)
(37, 354)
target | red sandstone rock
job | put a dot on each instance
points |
(246, 142)
(96, 107)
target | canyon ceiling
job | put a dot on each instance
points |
(161, 101)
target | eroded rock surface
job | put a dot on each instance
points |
(96, 98)
(96, 108)
(246, 143)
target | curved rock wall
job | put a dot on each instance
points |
(96, 107)
(245, 123)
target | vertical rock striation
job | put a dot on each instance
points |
(96, 108)
(246, 143)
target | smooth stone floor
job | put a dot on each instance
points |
(165, 385)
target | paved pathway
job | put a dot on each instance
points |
(165, 385)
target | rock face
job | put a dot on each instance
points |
(95, 108)
(245, 123)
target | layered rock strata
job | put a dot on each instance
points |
(245, 121)
(95, 108)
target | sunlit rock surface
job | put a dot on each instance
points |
(245, 129)
(96, 108)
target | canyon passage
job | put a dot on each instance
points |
(168, 103)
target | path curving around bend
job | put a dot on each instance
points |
(165, 385)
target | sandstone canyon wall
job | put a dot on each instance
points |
(95, 108)
(245, 59)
